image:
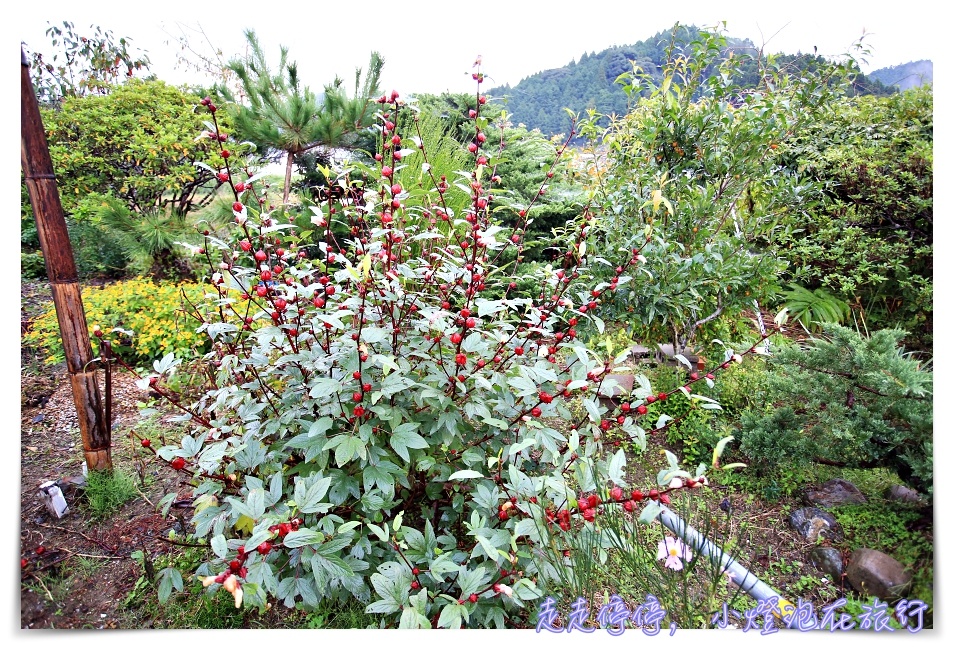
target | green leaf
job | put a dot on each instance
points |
(403, 437)
(169, 579)
(451, 616)
(650, 512)
(303, 537)
(219, 546)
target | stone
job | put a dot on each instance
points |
(873, 573)
(611, 396)
(622, 385)
(666, 354)
(811, 523)
(827, 559)
(903, 494)
(639, 352)
(836, 492)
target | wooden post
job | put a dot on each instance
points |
(61, 270)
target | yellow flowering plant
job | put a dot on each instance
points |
(144, 319)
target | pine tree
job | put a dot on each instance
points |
(282, 115)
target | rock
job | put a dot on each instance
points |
(902, 493)
(836, 492)
(622, 385)
(612, 396)
(873, 573)
(639, 352)
(666, 353)
(37, 418)
(827, 559)
(810, 523)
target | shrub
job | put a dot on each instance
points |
(32, 265)
(144, 319)
(848, 400)
(377, 427)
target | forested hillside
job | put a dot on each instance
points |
(906, 75)
(539, 101)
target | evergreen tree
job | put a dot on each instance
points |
(283, 116)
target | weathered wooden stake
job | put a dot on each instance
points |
(61, 270)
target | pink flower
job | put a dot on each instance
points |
(675, 483)
(673, 551)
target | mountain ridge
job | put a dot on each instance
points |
(539, 100)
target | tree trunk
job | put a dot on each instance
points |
(288, 174)
(61, 270)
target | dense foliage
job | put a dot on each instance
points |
(137, 144)
(692, 177)
(379, 421)
(846, 400)
(145, 319)
(870, 242)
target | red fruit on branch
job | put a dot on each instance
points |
(177, 463)
(456, 338)
(616, 493)
(545, 397)
(145, 442)
(536, 411)
(472, 598)
(261, 256)
(40, 550)
(637, 495)
(641, 409)
(264, 548)
(415, 585)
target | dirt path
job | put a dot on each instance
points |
(79, 571)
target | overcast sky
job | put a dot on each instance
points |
(431, 46)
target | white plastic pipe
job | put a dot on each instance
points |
(722, 560)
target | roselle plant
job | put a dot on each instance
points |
(377, 427)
